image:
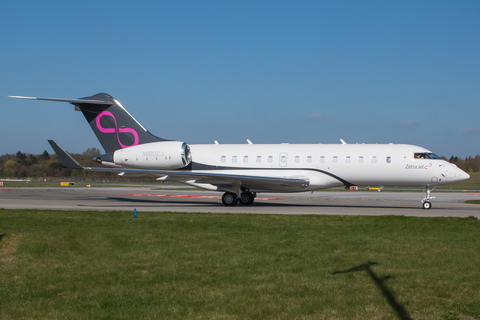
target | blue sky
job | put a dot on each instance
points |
(268, 71)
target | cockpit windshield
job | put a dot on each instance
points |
(426, 155)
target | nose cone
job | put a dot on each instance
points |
(460, 175)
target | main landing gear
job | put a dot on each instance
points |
(426, 204)
(231, 199)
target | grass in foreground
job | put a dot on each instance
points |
(473, 201)
(103, 265)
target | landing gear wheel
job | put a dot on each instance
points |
(427, 205)
(247, 198)
(229, 199)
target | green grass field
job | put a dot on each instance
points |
(108, 265)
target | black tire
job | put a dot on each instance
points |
(229, 199)
(427, 205)
(247, 198)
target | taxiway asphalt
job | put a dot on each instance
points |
(445, 204)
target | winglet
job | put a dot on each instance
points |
(66, 159)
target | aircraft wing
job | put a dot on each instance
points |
(222, 181)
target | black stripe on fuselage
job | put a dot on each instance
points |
(206, 167)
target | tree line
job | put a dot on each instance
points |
(468, 164)
(24, 165)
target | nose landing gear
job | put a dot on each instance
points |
(426, 204)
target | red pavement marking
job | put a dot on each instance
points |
(184, 196)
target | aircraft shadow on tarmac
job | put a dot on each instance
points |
(162, 201)
(216, 202)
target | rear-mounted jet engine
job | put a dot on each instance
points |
(164, 155)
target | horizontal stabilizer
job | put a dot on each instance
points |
(66, 159)
(100, 102)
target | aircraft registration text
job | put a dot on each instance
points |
(152, 153)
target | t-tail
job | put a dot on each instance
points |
(114, 127)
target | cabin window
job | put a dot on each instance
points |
(322, 159)
(270, 159)
(347, 159)
(389, 159)
(297, 159)
(374, 159)
(360, 159)
(245, 159)
(309, 159)
(223, 159)
(259, 159)
(234, 159)
(283, 159)
(335, 159)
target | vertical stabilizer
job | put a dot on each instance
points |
(114, 127)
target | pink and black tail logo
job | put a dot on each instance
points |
(116, 130)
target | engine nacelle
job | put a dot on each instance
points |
(163, 155)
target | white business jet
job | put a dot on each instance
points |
(242, 171)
